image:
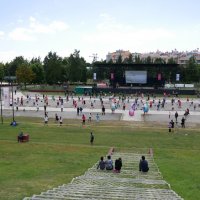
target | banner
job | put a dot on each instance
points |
(95, 76)
(159, 77)
(6, 97)
(177, 77)
(112, 76)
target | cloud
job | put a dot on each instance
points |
(112, 35)
(22, 34)
(34, 28)
(1, 34)
(7, 56)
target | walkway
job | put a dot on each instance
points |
(127, 185)
(70, 113)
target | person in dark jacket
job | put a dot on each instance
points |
(143, 166)
(101, 164)
(176, 116)
(91, 138)
(118, 165)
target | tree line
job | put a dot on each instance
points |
(55, 69)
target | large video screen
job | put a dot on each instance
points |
(136, 77)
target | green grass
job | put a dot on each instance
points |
(56, 154)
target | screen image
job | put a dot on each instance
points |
(136, 77)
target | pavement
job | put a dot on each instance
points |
(69, 112)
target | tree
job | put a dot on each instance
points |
(1, 72)
(128, 60)
(119, 59)
(148, 60)
(38, 70)
(138, 60)
(24, 74)
(171, 61)
(77, 67)
(192, 71)
(159, 61)
(53, 68)
(12, 66)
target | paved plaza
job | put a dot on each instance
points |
(161, 115)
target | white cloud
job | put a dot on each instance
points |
(111, 34)
(35, 27)
(1, 34)
(22, 34)
(7, 56)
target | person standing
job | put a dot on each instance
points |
(61, 121)
(46, 119)
(37, 107)
(176, 116)
(97, 117)
(83, 119)
(77, 111)
(62, 107)
(103, 110)
(56, 117)
(91, 138)
(90, 117)
(172, 124)
(183, 122)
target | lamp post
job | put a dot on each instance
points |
(1, 103)
(10, 80)
(13, 112)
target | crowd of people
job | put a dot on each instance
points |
(104, 102)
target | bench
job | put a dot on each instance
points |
(25, 138)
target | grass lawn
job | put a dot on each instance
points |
(56, 154)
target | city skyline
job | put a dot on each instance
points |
(33, 28)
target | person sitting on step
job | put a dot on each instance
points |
(143, 165)
(101, 164)
(109, 163)
(118, 165)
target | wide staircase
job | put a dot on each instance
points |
(129, 184)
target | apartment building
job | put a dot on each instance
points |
(180, 57)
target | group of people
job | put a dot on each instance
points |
(90, 118)
(58, 119)
(108, 164)
(171, 123)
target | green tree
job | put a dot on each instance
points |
(128, 60)
(159, 61)
(119, 59)
(53, 68)
(148, 60)
(39, 73)
(38, 70)
(77, 67)
(138, 60)
(171, 61)
(1, 72)
(13, 65)
(192, 71)
(24, 74)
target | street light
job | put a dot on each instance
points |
(10, 79)
(1, 103)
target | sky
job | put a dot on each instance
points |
(32, 28)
